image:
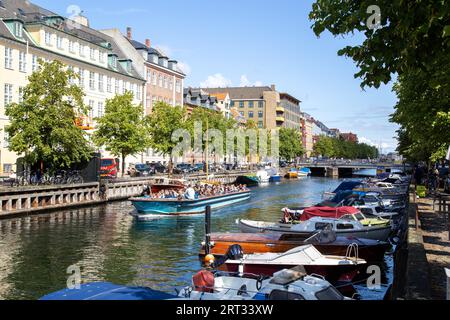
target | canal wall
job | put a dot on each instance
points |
(35, 200)
(411, 274)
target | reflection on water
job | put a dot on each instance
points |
(109, 245)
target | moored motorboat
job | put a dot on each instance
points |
(287, 284)
(333, 268)
(292, 174)
(342, 227)
(326, 242)
(249, 181)
(150, 206)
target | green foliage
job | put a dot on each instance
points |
(43, 125)
(339, 148)
(412, 42)
(122, 130)
(291, 145)
(162, 123)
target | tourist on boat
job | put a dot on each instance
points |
(190, 193)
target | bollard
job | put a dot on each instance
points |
(447, 273)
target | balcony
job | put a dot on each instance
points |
(280, 109)
(280, 119)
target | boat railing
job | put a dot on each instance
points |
(352, 249)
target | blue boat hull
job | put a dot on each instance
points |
(275, 179)
(167, 207)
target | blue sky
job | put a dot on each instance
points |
(254, 42)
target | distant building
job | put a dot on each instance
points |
(334, 133)
(307, 126)
(351, 137)
(289, 109)
(198, 98)
(263, 105)
(223, 103)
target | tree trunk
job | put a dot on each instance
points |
(124, 156)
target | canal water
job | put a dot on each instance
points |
(109, 245)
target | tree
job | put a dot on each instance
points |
(43, 125)
(162, 123)
(411, 41)
(324, 147)
(290, 143)
(122, 130)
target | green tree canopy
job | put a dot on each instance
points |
(43, 125)
(162, 123)
(339, 148)
(291, 145)
(122, 130)
(413, 42)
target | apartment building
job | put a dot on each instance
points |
(164, 79)
(29, 33)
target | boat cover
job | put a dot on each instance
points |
(105, 291)
(327, 212)
(347, 185)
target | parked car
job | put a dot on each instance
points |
(183, 168)
(158, 168)
(143, 170)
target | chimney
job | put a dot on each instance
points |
(148, 43)
(273, 87)
(129, 33)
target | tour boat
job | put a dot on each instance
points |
(326, 242)
(342, 227)
(287, 284)
(150, 206)
(333, 268)
(263, 176)
(249, 181)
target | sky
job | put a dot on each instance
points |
(254, 42)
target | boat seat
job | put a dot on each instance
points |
(204, 281)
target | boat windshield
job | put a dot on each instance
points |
(329, 293)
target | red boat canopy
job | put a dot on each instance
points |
(327, 212)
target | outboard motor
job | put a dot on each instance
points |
(235, 252)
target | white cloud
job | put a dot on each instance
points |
(385, 146)
(245, 82)
(186, 68)
(216, 81)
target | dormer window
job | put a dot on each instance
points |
(113, 61)
(18, 27)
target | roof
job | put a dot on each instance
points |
(32, 14)
(244, 93)
(220, 96)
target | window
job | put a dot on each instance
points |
(8, 58)
(6, 141)
(138, 91)
(241, 113)
(154, 79)
(109, 85)
(149, 76)
(71, 79)
(166, 84)
(285, 295)
(171, 84)
(100, 83)
(101, 56)
(260, 125)
(48, 38)
(19, 30)
(117, 87)
(260, 114)
(160, 81)
(178, 86)
(250, 114)
(124, 87)
(34, 63)
(21, 93)
(92, 51)
(8, 94)
(22, 62)
(232, 104)
(241, 104)
(81, 77)
(81, 49)
(101, 109)
(261, 104)
(71, 46)
(251, 104)
(59, 42)
(91, 109)
(92, 80)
